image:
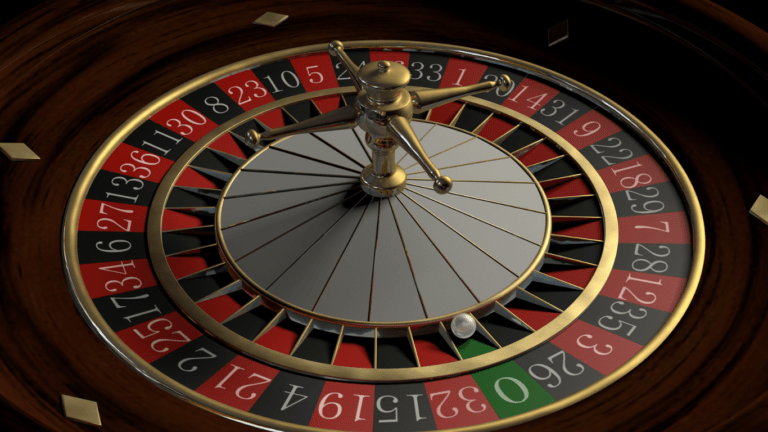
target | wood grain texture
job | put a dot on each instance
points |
(71, 72)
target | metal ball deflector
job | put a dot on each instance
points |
(383, 109)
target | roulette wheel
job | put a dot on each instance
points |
(442, 223)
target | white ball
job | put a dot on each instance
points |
(463, 326)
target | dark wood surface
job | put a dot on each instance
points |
(72, 71)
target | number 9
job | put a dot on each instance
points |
(590, 131)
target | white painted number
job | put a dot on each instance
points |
(259, 91)
(122, 266)
(291, 394)
(621, 323)
(588, 130)
(127, 180)
(556, 108)
(437, 71)
(116, 299)
(129, 278)
(154, 332)
(314, 80)
(523, 388)
(127, 226)
(215, 104)
(238, 392)
(666, 227)
(593, 347)
(458, 81)
(382, 410)
(112, 248)
(191, 116)
(637, 299)
(360, 407)
(469, 401)
(440, 405)
(295, 80)
(209, 356)
(324, 403)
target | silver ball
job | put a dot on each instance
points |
(463, 326)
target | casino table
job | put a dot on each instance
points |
(594, 297)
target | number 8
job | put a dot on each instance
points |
(216, 103)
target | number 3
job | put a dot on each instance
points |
(593, 347)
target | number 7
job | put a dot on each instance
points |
(666, 224)
(102, 211)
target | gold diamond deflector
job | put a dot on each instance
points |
(81, 410)
(271, 19)
(760, 209)
(557, 33)
(18, 152)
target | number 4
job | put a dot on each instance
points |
(122, 265)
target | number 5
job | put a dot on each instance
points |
(314, 73)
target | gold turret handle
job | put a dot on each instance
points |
(342, 118)
(403, 134)
(336, 49)
(425, 100)
(383, 109)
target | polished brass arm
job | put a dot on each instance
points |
(424, 100)
(403, 134)
(342, 118)
(383, 109)
(336, 49)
